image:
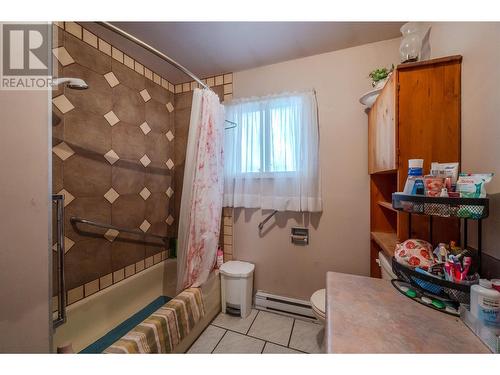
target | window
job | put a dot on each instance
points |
(271, 156)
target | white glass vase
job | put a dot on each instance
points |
(411, 43)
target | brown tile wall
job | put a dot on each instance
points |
(83, 137)
(98, 160)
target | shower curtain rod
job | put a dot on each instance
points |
(161, 55)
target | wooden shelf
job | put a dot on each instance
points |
(386, 241)
(387, 205)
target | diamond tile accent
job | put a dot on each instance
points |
(63, 104)
(145, 193)
(169, 163)
(170, 135)
(169, 192)
(145, 226)
(111, 234)
(145, 128)
(170, 107)
(111, 118)
(63, 56)
(68, 244)
(145, 95)
(111, 78)
(111, 195)
(63, 151)
(112, 157)
(68, 198)
(145, 160)
(169, 220)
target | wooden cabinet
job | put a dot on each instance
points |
(416, 116)
(382, 130)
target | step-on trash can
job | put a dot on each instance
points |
(236, 287)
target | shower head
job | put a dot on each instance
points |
(72, 83)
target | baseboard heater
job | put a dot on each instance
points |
(284, 305)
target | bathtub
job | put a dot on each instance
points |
(94, 317)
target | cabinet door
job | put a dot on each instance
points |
(382, 130)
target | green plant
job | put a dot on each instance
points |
(380, 74)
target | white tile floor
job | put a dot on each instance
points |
(260, 332)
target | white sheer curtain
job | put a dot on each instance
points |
(272, 156)
(201, 202)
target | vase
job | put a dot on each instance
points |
(411, 43)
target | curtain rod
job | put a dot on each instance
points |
(153, 50)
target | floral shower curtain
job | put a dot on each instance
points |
(201, 202)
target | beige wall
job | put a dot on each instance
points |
(339, 238)
(24, 225)
(478, 43)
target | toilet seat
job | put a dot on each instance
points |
(318, 302)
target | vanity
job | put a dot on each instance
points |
(368, 315)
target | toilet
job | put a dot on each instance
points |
(318, 304)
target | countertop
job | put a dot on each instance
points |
(368, 315)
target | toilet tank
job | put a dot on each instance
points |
(385, 267)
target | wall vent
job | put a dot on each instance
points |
(295, 308)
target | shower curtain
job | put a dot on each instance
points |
(202, 191)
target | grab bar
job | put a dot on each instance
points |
(61, 296)
(263, 222)
(75, 219)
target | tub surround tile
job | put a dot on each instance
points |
(117, 54)
(87, 132)
(128, 61)
(145, 160)
(169, 220)
(63, 151)
(128, 141)
(235, 323)
(158, 178)
(307, 337)
(118, 275)
(128, 211)
(87, 261)
(272, 327)
(68, 197)
(90, 38)
(139, 266)
(156, 207)
(111, 195)
(211, 81)
(91, 208)
(130, 270)
(170, 107)
(169, 163)
(145, 226)
(111, 234)
(139, 68)
(148, 73)
(169, 135)
(145, 128)
(57, 175)
(97, 98)
(128, 177)
(169, 192)
(128, 105)
(236, 343)
(148, 262)
(157, 147)
(207, 341)
(111, 79)
(86, 55)
(111, 118)
(63, 104)
(106, 281)
(104, 47)
(74, 29)
(91, 287)
(87, 175)
(111, 156)
(62, 55)
(130, 78)
(157, 92)
(228, 78)
(75, 294)
(145, 193)
(157, 116)
(126, 250)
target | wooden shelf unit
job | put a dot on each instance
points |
(416, 116)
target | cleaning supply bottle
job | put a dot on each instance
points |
(485, 303)
(220, 257)
(415, 182)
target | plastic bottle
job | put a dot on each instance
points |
(485, 303)
(414, 182)
(220, 257)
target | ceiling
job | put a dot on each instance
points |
(210, 48)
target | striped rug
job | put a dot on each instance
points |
(165, 328)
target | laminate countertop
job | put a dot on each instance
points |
(368, 315)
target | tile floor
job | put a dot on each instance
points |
(260, 332)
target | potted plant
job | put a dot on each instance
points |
(379, 76)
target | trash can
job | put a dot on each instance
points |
(236, 287)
